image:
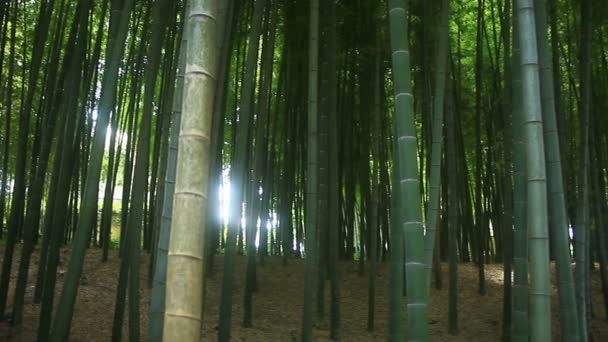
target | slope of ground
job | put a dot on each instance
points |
(278, 304)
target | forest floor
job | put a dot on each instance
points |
(278, 303)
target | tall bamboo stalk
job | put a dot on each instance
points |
(409, 181)
(184, 291)
(536, 183)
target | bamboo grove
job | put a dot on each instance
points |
(363, 132)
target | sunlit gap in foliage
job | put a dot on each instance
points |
(571, 235)
(122, 139)
(225, 194)
(121, 136)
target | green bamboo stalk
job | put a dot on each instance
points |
(157, 298)
(452, 210)
(312, 173)
(507, 175)
(557, 202)
(334, 178)
(582, 229)
(432, 217)
(184, 291)
(409, 180)
(520, 243)
(537, 220)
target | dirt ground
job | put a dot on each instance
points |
(278, 304)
